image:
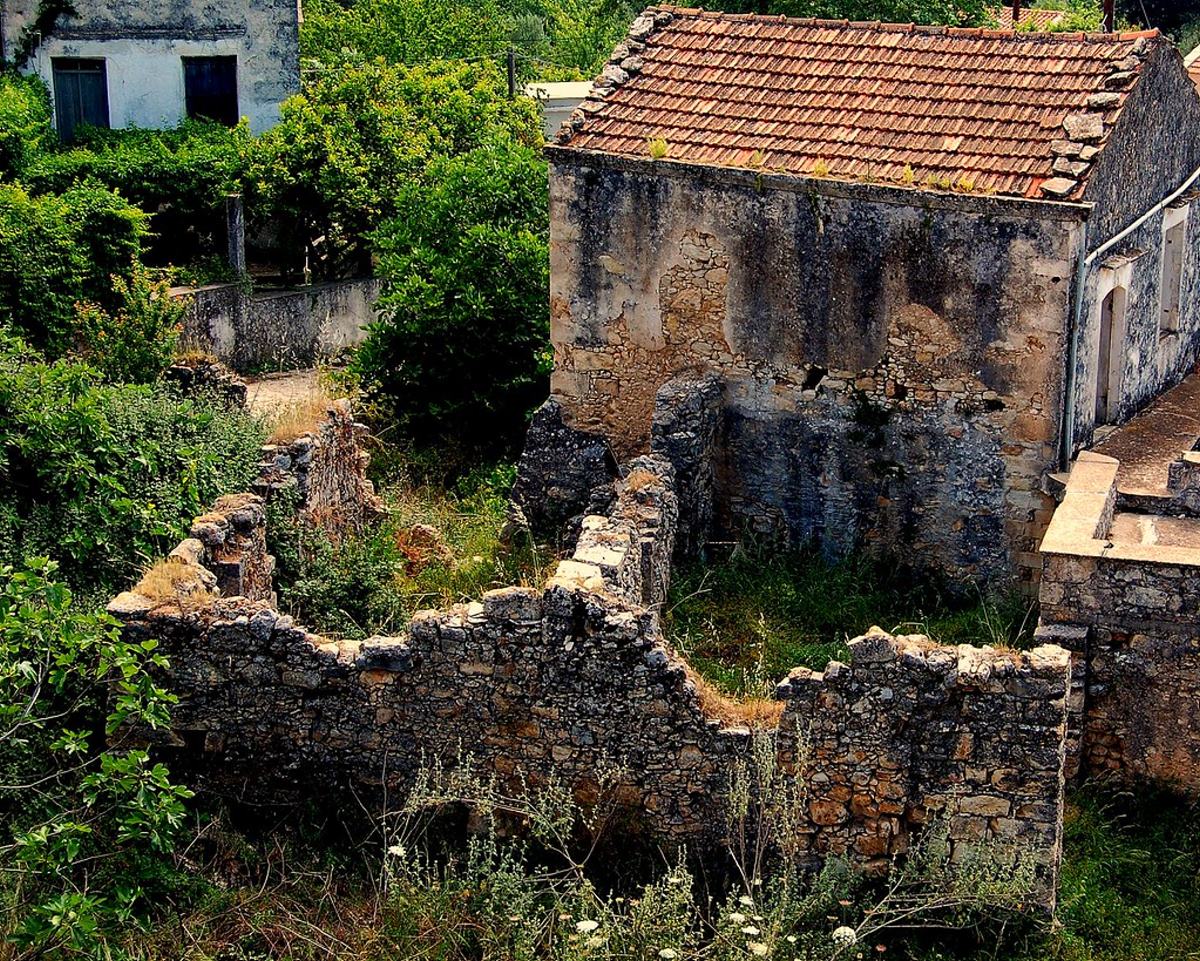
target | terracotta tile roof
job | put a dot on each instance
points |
(1040, 19)
(985, 110)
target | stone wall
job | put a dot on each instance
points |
(326, 468)
(891, 359)
(567, 679)
(1129, 610)
(280, 330)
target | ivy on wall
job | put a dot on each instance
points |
(43, 23)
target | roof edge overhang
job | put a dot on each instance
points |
(887, 193)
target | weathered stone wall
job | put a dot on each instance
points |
(892, 359)
(567, 679)
(1130, 613)
(686, 430)
(278, 329)
(327, 469)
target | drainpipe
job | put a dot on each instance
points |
(1067, 434)
(1076, 321)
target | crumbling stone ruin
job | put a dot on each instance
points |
(562, 680)
(858, 351)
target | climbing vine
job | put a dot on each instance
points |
(43, 23)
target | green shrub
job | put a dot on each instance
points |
(103, 478)
(56, 251)
(25, 128)
(356, 138)
(179, 177)
(81, 823)
(136, 342)
(373, 582)
(461, 345)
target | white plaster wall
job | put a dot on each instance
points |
(143, 42)
(145, 78)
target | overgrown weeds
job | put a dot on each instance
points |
(745, 621)
(436, 547)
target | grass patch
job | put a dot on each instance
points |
(437, 546)
(746, 621)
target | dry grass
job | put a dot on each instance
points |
(641, 479)
(172, 580)
(752, 712)
(194, 357)
(299, 417)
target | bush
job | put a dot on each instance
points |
(81, 823)
(352, 142)
(105, 477)
(462, 342)
(58, 250)
(179, 177)
(25, 128)
(135, 343)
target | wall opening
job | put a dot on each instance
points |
(210, 89)
(1174, 249)
(80, 94)
(1112, 354)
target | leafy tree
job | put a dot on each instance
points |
(56, 250)
(134, 343)
(25, 129)
(461, 346)
(356, 138)
(180, 177)
(81, 823)
(404, 31)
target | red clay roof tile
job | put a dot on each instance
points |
(1030, 19)
(930, 106)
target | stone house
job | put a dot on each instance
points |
(153, 63)
(926, 264)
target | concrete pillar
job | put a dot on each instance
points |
(235, 232)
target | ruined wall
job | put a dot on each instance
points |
(281, 330)
(1130, 613)
(142, 44)
(891, 359)
(565, 680)
(326, 468)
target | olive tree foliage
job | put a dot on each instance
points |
(461, 345)
(356, 138)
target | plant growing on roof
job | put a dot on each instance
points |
(658, 147)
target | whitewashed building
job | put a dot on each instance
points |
(153, 63)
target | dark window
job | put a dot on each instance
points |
(210, 86)
(80, 95)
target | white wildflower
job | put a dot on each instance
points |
(737, 918)
(746, 900)
(396, 850)
(594, 941)
(586, 927)
(791, 939)
(751, 931)
(668, 954)
(758, 949)
(844, 935)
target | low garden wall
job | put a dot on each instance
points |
(281, 330)
(567, 680)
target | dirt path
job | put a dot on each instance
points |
(269, 393)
